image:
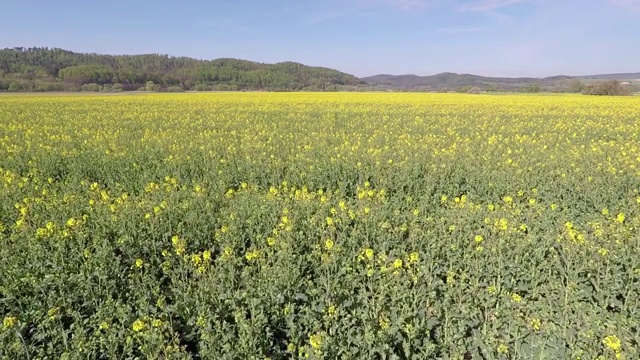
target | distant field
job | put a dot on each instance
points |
(319, 225)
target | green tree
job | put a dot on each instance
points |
(532, 88)
(135, 71)
(15, 86)
(150, 86)
(92, 87)
(609, 87)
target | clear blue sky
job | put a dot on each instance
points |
(362, 37)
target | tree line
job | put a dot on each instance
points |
(44, 69)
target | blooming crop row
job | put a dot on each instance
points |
(238, 226)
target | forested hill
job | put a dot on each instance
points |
(43, 69)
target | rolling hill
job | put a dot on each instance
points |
(621, 77)
(43, 69)
(453, 81)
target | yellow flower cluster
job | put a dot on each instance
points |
(400, 203)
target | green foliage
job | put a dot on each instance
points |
(49, 87)
(320, 226)
(532, 88)
(203, 87)
(15, 86)
(174, 89)
(609, 87)
(83, 74)
(134, 71)
(150, 86)
(569, 86)
(117, 87)
(90, 87)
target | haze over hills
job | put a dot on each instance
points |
(443, 81)
(454, 81)
(621, 76)
(44, 69)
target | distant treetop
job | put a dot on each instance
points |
(44, 69)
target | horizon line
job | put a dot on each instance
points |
(321, 66)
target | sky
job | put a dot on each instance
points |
(363, 37)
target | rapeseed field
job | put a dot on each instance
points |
(319, 226)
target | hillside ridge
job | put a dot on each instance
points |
(455, 81)
(55, 69)
(44, 69)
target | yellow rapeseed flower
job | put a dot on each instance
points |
(138, 325)
(503, 224)
(613, 343)
(397, 263)
(328, 244)
(252, 255)
(368, 253)
(383, 322)
(535, 324)
(9, 322)
(451, 278)
(315, 341)
(227, 252)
